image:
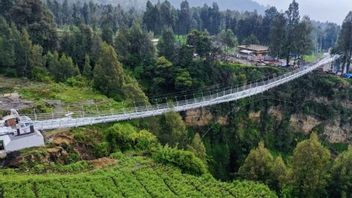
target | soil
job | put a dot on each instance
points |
(103, 162)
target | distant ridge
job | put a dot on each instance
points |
(240, 5)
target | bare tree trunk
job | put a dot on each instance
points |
(288, 60)
(343, 64)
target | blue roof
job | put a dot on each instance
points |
(348, 75)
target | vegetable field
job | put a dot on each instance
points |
(132, 177)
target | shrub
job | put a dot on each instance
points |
(124, 137)
(185, 160)
(101, 149)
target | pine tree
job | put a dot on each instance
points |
(310, 166)
(185, 19)
(345, 43)
(268, 21)
(280, 174)
(340, 183)
(87, 68)
(197, 147)
(173, 130)
(166, 45)
(107, 34)
(108, 73)
(278, 35)
(7, 48)
(36, 18)
(36, 58)
(200, 41)
(24, 67)
(62, 67)
(304, 37)
(134, 47)
(258, 165)
(5, 7)
(227, 39)
(293, 19)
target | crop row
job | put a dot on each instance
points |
(138, 179)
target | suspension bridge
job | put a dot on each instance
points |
(19, 132)
(78, 119)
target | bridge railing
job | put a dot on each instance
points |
(213, 98)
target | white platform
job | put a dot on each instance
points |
(15, 143)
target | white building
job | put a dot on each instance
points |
(17, 133)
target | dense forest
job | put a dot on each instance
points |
(163, 54)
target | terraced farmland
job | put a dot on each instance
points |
(131, 177)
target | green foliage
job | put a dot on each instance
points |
(75, 167)
(183, 80)
(344, 44)
(166, 45)
(250, 40)
(228, 38)
(341, 175)
(260, 165)
(310, 165)
(132, 177)
(198, 148)
(173, 130)
(200, 41)
(108, 73)
(185, 160)
(134, 47)
(111, 80)
(123, 137)
(34, 16)
(62, 67)
(87, 68)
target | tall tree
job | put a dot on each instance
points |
(310, 166)
(151, 17)
(268, 21)
(134, 47)
(87, 68)
(345, 43)
(62, 67)
(197, 147)
(166, 45)
(304, 37)
(5, 6)
(7, 48)
(107, 34)
(184, 19)
(293, 19)
(34, 16)
(173, 130)
(108, 73)
(228, 39)
(24, 67)
(200, 41)
(340, 183)
(215, 19)
(167, 16)
(277, 36)
(258, 165)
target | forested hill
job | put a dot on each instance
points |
(240, 5)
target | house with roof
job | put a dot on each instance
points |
(257, 50)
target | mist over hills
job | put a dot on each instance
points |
(240, 5)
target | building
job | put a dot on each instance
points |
(257, 50)
(17, 133)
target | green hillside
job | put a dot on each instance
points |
(131, 177)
